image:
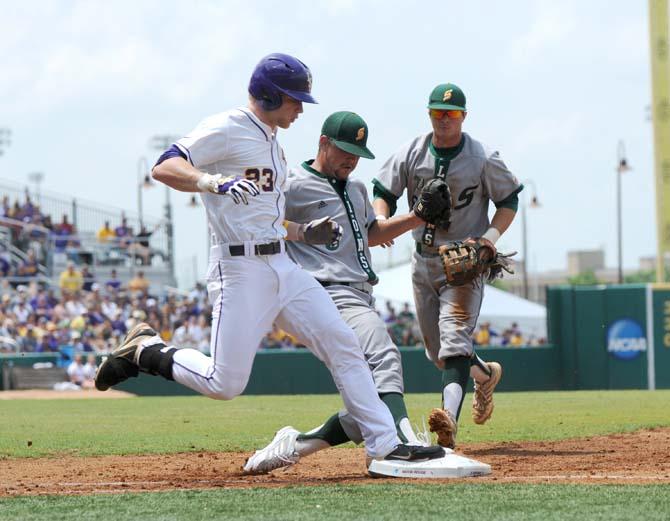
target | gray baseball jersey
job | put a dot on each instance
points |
(476, 176)
(311, 195)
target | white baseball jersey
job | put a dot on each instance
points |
(249, 292)
(237, 143)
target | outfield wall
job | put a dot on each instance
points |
(299, 372)
(611, 337)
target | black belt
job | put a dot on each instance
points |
(361, 286)
(259, 249)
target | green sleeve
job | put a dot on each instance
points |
(379, 191)
(511, 201)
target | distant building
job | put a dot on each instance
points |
(577, 262)
(585, 260)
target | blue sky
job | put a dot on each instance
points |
(553, 86)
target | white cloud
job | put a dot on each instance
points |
(552, 26)
(98, 49)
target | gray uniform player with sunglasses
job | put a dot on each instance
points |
(320, 188)
(447, 315)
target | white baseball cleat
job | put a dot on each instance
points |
(279, 453)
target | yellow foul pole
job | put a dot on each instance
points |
(660, 92)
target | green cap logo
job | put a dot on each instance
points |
(349, 132)
(447, 96)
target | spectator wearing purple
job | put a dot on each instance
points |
(29, 267)
(113, 283)
(124, 233)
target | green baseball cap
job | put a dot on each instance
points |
(447, 96)
(349, 132)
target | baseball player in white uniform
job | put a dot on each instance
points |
(447, 315)
(234, 160)
(321, 188)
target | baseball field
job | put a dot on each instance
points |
(559, 455)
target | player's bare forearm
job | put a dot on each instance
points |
(502, 219)
(381, 207)
(383, 231)
(292, 231)
(177, 173)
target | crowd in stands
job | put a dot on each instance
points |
(88, 315)
(512, 336)
(31, 229)
(35, 318)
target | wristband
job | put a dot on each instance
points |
(380, 217)
(492, 234)
(205, 182)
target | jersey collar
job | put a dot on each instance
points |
(307, 165)
(447, 153)
(262, 126)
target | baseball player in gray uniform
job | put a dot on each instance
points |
(447, 315)
(320, 188)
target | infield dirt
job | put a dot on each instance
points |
(641, 458)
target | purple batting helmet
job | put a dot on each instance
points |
(278, 74)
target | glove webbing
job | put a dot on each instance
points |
(460, 265)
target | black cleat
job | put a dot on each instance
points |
(415, 453)
(123, 362)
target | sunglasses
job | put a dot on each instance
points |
(441, 114)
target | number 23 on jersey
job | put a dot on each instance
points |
(264, 178)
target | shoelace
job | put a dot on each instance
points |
(423, 435)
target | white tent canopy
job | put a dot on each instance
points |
(500, 308)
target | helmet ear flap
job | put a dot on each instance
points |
(270, 99)
(267, 95)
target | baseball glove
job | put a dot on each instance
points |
(434, 204)
(464, 261)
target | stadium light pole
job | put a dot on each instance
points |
(37, 178)
(160, 143)
(622, 166)
(534, 203)
(5, 139)
(143, 181)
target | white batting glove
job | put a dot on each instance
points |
(236, 187)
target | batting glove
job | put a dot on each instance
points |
(237, 187)
(320, 231)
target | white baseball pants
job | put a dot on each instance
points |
(248, 294)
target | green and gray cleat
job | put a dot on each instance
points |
(123, 362)
(482, 400)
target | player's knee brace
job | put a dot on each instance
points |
(157, 360)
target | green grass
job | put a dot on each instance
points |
(177, 424)
(391, 502)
